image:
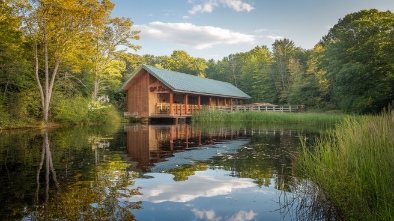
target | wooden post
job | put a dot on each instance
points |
(187, 137)
(171, 104)
(199, 102)
(186, 104)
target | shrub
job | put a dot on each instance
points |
(103, 113)
(71, 111)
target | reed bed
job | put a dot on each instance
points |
(265, 117)
(354, 166)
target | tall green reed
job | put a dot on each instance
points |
(320, 119)
(354, 166)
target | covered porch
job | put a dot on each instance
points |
(179, 104)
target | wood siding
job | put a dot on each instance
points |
(137, 95)
(149, 97)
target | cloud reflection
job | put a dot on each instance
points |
(206, 215)
(211, 216)
(243, 215)
(196, 186)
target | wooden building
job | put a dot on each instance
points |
(158, 93)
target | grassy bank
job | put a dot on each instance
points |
(283, 118)
(354, 167)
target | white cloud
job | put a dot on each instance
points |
(238, 5)
(273, 37)
(208, 6)
(198, 37)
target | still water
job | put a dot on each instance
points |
(154, 172)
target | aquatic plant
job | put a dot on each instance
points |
(266, 117)
(354, 166)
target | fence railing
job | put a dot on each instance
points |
(179, 109)
(246, 108)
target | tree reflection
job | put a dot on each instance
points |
(46, 157)
(182, 173)
(268, 157)
(100, 198)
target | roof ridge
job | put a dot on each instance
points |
(167, 70)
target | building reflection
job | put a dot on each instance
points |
(149, 144)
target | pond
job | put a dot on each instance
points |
(155, 172)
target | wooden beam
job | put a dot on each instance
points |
(186, 104)
(171, 103)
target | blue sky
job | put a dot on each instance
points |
(213, 29)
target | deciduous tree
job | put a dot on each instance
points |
(358, 57)
(116, 33)
(59, 31)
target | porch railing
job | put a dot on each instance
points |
(177, 109)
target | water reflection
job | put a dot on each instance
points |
(69, 177)
(146, 172)
(151, 144)
(46, 158)
(222, 174)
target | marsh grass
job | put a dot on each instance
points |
(282, 118)
(354, 166)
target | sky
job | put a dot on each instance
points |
(214, 29)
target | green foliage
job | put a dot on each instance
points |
(182, 62)
(357, 58)
(105, 59)
(79, 110)
(305, 90)
(71, 110)
(354, 166)
(99, 113)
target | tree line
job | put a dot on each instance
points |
(64, 61)
(350, 69)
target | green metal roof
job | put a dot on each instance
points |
(181, 82)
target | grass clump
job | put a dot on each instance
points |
(354, 166)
